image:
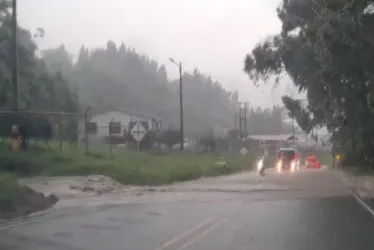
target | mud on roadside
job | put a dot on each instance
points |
(27, 203)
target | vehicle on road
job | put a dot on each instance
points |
(287, 160)
(312, 162)
(260, 167)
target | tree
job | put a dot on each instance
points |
(38, 90)
(326, 48)
(268, 121)
(57, 60)
(119, 77)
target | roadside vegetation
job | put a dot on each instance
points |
(325, 47)
(10, 192)
(135, 168)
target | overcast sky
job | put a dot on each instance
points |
(213, 35)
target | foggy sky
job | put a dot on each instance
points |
(213, 35)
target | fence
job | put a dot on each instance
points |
(35, 126)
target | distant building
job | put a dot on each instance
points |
(274, 138)
(99, 124)
(272, 142)
(216, 132)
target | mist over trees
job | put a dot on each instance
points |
(116, 76)
(119, 77)
(38, 90)
(327, 48)
(269, 121)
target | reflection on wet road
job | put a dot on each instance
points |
(309, 210)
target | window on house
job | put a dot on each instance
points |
(115, 128)
(91, 127)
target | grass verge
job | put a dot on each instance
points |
(10, 192)
(137, 168)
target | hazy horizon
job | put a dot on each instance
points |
(213, 36)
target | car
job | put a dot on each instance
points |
(287, 160)
(312, 162)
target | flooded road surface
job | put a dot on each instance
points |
(305, 210)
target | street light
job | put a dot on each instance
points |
(179, 65)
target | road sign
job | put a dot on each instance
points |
(244, 151)
(138, 131)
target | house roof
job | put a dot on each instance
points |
(130, 113)
(283, 137)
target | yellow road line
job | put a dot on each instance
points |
(185, 234)
(202, 235)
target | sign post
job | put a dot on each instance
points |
(138, 132)
(110, 136)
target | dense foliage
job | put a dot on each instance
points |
(120, 77)
(38, 90)
(327, 48)
(269, 122)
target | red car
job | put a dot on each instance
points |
(312, 162)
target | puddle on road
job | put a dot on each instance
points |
(63, 234)
(153, 213)
(99, 227)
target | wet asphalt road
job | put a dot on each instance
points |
(309, 210)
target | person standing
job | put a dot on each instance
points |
(15, 138)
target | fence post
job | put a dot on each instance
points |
(60, 131)
(85, 130)
(110, 137)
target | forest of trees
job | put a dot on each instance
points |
(269, 122)
(327, 48)
(115, 77)
(38, 89)
(119, 77)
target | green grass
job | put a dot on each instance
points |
(137, 168)
(10, 192)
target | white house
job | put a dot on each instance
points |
(99, 123)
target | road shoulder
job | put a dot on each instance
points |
(362, 189)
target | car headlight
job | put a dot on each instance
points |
(293, 166)
(260, 164)
(279, 166)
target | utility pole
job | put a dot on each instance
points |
(235, 120)
(181, 106)
(290, 90)
(14, 54)
(243, 110)
(245, 119)
(240, 121)
(14, 62)
(180, 102)
(293, 131)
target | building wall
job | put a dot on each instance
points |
(103, 121)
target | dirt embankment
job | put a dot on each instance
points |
(78, 186)
(40, 193)
(28, 201)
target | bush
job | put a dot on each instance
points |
(136, 168)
